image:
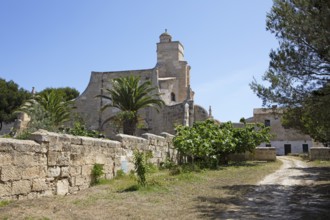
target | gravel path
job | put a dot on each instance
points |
(291, 173)
(295, 191)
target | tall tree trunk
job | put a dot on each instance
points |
(129, 126)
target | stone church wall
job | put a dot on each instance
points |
(58, 164)
(88, 105)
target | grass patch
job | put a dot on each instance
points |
(165, 196)
(319, 163)
(4, 203)
(248, 172)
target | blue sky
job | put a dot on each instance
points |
(58, 43)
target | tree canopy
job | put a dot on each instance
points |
(11, 97)
(210, 143)
(66, 93)
(299, 70)
(130, 95)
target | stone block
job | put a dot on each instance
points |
(56, 146)
(53, 171)
(62, 187)
(42, 148)
(63, 159)
(24, 159)
(21, 187)
(101, 159)
(41, 159)
(64, 138)
(86, 170)
(76, 140)
(72, 181)
(24, 145)
(31, 172)
(87, 141)
(75, 170)
(82, 180)
(39, 185)
(5, 158)
(40, 136)
(64, 171)
(5, 189)
(90, 159)
(157, 154)
(52, 158)
(10, 173)
(77, 149)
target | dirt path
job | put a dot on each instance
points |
(291, 173)
(295, 191)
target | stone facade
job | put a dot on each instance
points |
(285, 141)
(171, 76)
(58, 164)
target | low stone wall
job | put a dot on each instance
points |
(59, 164)
(319, 153)
(260, 153)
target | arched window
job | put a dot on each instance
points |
(172, 97)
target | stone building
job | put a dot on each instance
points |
(171, 76)
(285, 141)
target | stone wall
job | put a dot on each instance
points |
(260, 153)
(319, 153)
(59, 164)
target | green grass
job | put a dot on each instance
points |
(320, 163)
(248, 172)
(163, 191)
(4, 203)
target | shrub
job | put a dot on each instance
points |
(97, 172)
(140, 167)
(120, 174)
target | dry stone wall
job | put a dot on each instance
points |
(319, 153)
(58, 164)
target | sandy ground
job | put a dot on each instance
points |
(295, 191)
(291, 173)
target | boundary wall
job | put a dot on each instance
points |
(59, 164)
(319, 153)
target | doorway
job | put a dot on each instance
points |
(305, 148)
(287, 149)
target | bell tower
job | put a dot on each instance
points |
(173, 70)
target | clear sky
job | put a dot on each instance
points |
(58, 43)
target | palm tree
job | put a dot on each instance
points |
(47, 111)
(129, 95)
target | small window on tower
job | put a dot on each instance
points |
(267, 123)
(172, 97)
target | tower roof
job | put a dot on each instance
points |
(165, 37)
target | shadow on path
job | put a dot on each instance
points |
(273, 201)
